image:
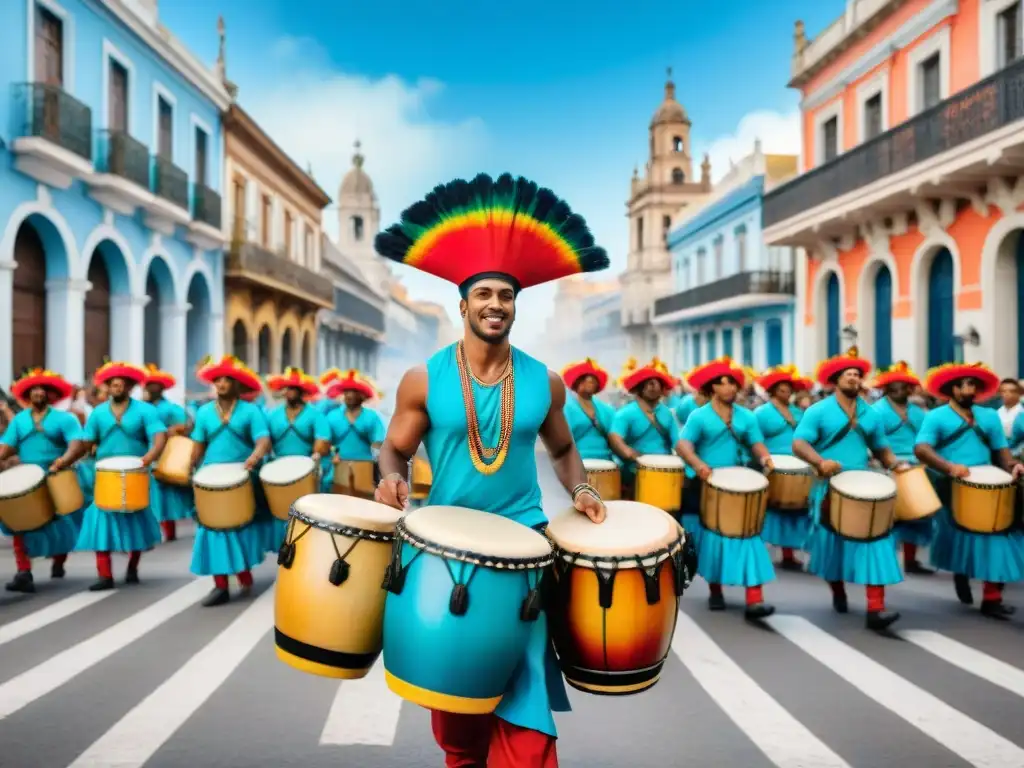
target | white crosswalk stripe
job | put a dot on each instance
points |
(968, 659)
(50, 615)
(364, 712)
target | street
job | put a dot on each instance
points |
(144, 676)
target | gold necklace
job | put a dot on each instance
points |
(485, 460)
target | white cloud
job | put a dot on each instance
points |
(779, 134)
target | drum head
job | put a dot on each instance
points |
(482, 533)
(786, 463)
(599, 465)
(119, 464)
(654, 461)
(349, 511)
(988, 475)
(631, 528)
(17, 480)
(864, 484)
(738, 479)
(221, 475)
(287, 469)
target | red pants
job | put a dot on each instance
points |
(486, 741)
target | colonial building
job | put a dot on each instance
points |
(910, 201)
(733, 295)
(352, 332)
(565, 329)
(601, 334)
(667, 186)
(110, 206)
(274, 288)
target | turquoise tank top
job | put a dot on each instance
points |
(512, 491)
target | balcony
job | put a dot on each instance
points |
(352, 310)
(52, 134)
(252, 263)
(204, 231)
(951, 150)
(168, 206)
(742, 291)
(121, 181)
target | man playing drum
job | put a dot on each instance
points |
(43, 436)
(719, 434)
(689, 403)
(783, 528)
(230, 430)
(954, 438)
(170, 503)
(589, 419)
(357, 431)
(327, 404)
(901, 421)
(835, 435)
(479, 406)
(120, 427)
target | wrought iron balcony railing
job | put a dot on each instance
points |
(121, 155)
(206, 205)
(48, 112)
(170, 182)
(351, 307)
(740, 284)
(254, 262)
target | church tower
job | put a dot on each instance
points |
(359, 223)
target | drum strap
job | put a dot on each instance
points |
(850, 426)
(789, 421)
(243, 439)
(308, 438)
(657, 426)
(594, 423)
(963, 429)
(41, 432)
(349, 428)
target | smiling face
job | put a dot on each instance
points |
(490, 309)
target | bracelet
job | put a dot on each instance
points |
(584, 488)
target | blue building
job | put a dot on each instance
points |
(733, 295)
(110, 178)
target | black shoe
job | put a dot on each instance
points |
(57, 571)
(839, 603)
(22, 582)
(102, 585)
(962, 585)
(791, 565)
(217, 596)
(881, 620)
(131, 576)
(758, 611)
(996, 609)
(716, 602)
(917, 569)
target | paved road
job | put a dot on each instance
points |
(144, 676)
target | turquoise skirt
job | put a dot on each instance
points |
(225, 553)
(917, 532)
(785, 529)
(734, 562)
(87, 477)
(57, 537)
(997, 557)
(689, 516)
(117, 531)
(170, 502)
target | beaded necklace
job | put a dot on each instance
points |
(485, 460)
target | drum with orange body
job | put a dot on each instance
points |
(66, 491)
(421, 478)
(25, 502)
(605, 476)
(915, 495)
(354, 478)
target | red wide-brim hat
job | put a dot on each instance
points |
(352, 381)
(632, 377)
(898, 372)
(119, 370)
(330, 375)
(788, 374)
(942, 376)
(705, 374)
(155, 376)
(827, 369)
(232, 368)
(55, 384)
(294, 377)
(572, 373)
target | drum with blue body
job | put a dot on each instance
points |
(464, 590)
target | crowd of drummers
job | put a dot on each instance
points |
(841, 485)
(118, 476)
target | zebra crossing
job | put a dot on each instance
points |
(144, 676)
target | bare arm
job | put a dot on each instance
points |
(887, 457)
(1007, 459)
(159, 441)
(761, 453)
(620, 449)
(803, 450)
(930, 457)
(65, 461)
(557, 437)
(688, 452)
(409, 424)
(76, 450)
(198, 451)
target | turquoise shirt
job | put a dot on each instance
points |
(297, 436)
(968, 449)
(327, 406)
(900, 434)
(824, 420)
(672, 401)
(685, 407)
(513, 491)
(354, 439)
(231, 442)
(778, 433)
(635, 428)
(43, 444)
(132, 436)
(591, 442)
(715, 444)
(171, 414)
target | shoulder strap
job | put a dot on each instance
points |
(952, 437)
(652, 417)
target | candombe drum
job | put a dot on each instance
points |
(616, 593)
(464, 594)
(915, 495)
(659, 481)
(733, 502)
(354, 478)
(25, 502)
(984, 501)
(66, 491)
(329, 600)
(421, 478)
(225, 499)
(287, 479)
(789, 486)
(862, 504)
(605, 476)
(122, 484)
(175, 464)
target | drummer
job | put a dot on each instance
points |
(952, 438)
(121, 426)
(720, 434)
(454, 405)
(170, 503)
(901, 421)
(357, 431)
(589, 419)
(324, 403)
(46, 437)
(689, 402)
(230, 430)
(786, 529)
(645, 425)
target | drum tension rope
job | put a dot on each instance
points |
(394, 575)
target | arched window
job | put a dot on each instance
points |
(677, 144)
(678, 177)
(357, 228)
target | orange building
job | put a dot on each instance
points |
(909, 205)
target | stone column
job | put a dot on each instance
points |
(127, 328)
(65, 328)
(174, 346)
(216, 334)
(7, 322)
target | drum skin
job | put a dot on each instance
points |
(121, 490)
(225, 509)
(915, 495)
(354, 478)
(281, 496)
(607, 482)
(29, 510)
(175, 464)
(660, 487)
(983, 509)
(66, 491)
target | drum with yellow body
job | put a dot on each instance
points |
(287, 479)
(25, 502)
(861, 504)
(606, 478)
(354, 478)
(984, 501)
(122, 485)
(421, 478)
(915, 495)
(66, 491)
(659, 481)
(733, 502)
(175, 464)
(789, 485)
(329, 601)
(225, 499)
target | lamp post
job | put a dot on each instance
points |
(849, 334)
(970, 337)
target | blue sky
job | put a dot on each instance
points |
(558, 91)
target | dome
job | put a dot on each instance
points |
(670, 110)
(356, 182)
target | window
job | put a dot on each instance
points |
(357, 228)
(1008, 35)
(747, 341)
(712, 337)
(677, 144)
(201, 159)
(727, 341)
(639, 233)
(666, 225)
(873, 116)
(289, 233)
(49, 48)
(266, 216)
(741, 248)
(238, 189)
(830, 139)
(684, 275)
(117, 109)
(719, 259)
(308, 246)
(931, 81)
(701, 258)
(165, 128)
(678, 177)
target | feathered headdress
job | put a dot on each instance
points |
(572, 373)
(508, 228)
(939, 379)
(898, 372)
(352, 381)
(633, 376)
(56, 386)
(715, 370)
(788, 374)
(231, 367)
(829, 369)
(155, 376)
(117, 369)
(294, 377)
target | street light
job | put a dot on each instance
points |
(850, 334)
(969, 337)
